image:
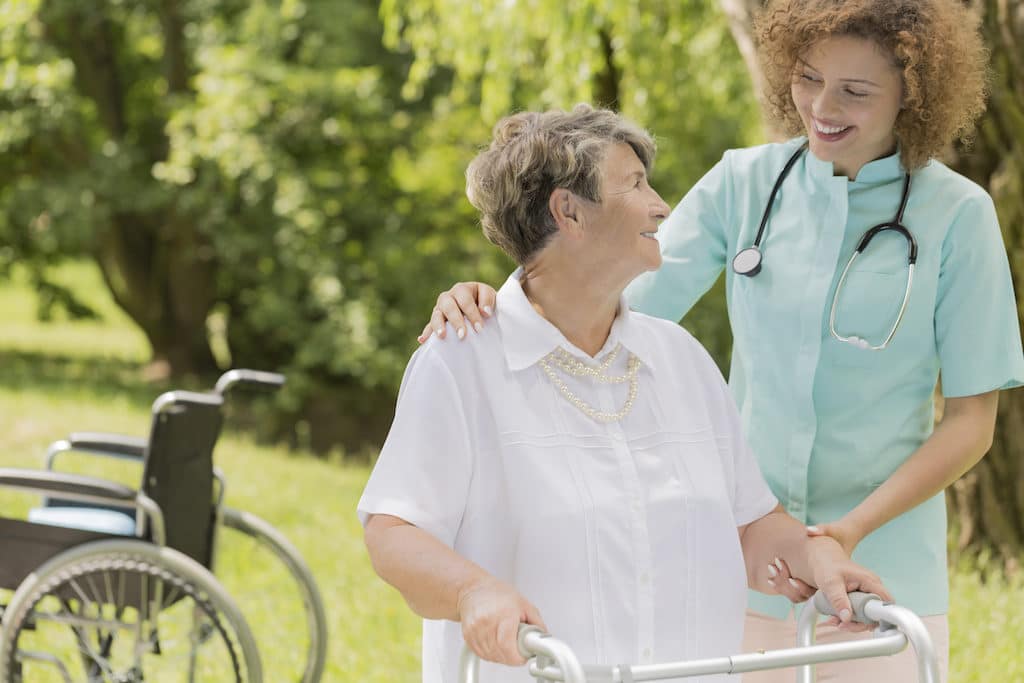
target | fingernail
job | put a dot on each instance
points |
(462, 332)
(771, 583)
(778, 563)
(488, 310)
(478, 327)
(772, 571)
(844, 615)
(793, 583)
(813, 529)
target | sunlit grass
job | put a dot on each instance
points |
(59, 378)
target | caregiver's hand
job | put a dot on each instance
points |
(490, 611)
(836, 575)
(465, 301)
(842, 530)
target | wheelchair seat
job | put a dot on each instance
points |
(100, 520)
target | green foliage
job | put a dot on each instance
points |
(291, 171)
(672, 67)
(328, 209)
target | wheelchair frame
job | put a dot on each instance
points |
(551, 659)
(173, 548)
(107, 588)
(133, 449)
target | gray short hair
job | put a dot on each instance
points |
(530, 156)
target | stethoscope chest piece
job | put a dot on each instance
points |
(747, 262)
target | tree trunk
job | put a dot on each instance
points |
(160, 271)
(158, 265)
(987, 505)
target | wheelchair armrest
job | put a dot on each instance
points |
(71, 486)
(99, 443)
(102, 443)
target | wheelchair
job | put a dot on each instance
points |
(114, 584)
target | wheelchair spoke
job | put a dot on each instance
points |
(123, 622)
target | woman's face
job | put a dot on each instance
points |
(848, 93)
(621, 228)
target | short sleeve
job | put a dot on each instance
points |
(693, 247)
(976, 328)
(751, 497)
(425, 466)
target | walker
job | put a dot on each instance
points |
(549, 659)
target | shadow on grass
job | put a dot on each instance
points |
(101, 378)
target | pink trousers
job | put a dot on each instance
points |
(765, 633)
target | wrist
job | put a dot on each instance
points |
(854, 529)
(467, 587)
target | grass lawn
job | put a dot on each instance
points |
(67, 376)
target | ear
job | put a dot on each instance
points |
(566, 209)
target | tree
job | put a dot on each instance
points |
(249, 178)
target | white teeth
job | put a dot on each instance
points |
(648, 234)
(829, 130)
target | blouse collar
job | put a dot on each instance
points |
(527, 336)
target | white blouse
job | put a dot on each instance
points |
(623, 534)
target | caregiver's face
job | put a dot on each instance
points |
(621, 228)
(848, 92)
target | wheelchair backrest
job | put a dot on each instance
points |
(178, 473)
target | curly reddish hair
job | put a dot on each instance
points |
(935, 43)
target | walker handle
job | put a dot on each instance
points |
(534, 644)
(857, 600)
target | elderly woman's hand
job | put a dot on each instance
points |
(836, 575)
(472, 301)
(490, 611)
(786, 584)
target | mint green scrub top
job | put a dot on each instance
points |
(829, 421)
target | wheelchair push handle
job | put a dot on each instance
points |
(258, 378)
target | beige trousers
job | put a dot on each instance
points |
(761, 632)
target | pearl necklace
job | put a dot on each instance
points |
(570, 365)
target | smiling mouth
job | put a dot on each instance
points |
(649, 235)
(829, 130)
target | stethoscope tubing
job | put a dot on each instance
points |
(896, 224)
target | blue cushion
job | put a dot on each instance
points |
(89, 519)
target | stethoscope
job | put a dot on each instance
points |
(748, 261)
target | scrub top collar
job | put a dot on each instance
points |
(527, 336)
(877, 172)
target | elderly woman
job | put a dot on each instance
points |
(579, 466)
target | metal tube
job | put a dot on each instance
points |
(553, 660)
(536, 643)
(156, 518)
(469, 666)
(910, 625)
(806, 625)
(743, 663)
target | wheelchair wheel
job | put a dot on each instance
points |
(125, 611)
(281, 598)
